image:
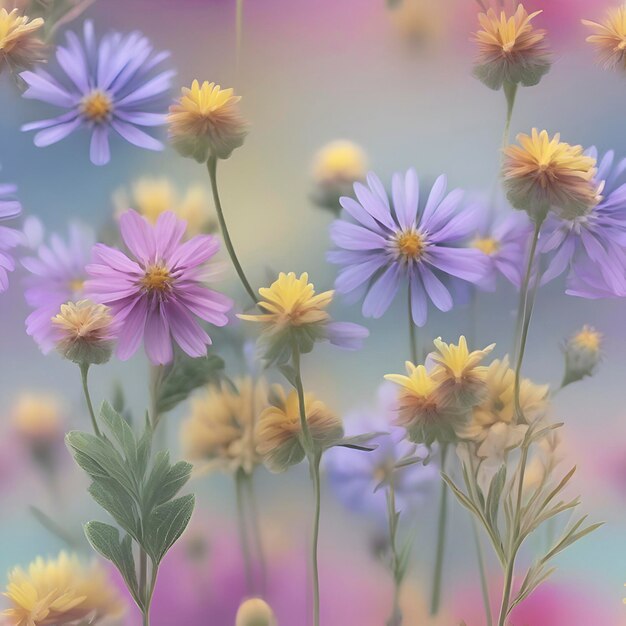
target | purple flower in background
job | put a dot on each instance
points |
(502, 236)
(354, 477)
(9, 238)
(158, 293)
(387, 247)
(110, 86)
(592, 247)
(57, 275)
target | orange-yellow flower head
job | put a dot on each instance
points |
(510, 49)
(583, 351)
(420, 408)
(609, 38)
(20, 45)
(85, 332)
(255, 612)
(221, 427)
(279, 431)
(459, 373)
(206, 122)
(60, 592)
(543, 173)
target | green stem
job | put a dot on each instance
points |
(243, 530)
(412, 332)
(212, 167)
(256, 530)
(483, 575)
(314, 462)
(441, 538)
(510, 91)
(506, 595)
(395, 618)
(307, 440)
(84, 370)
(156, 377)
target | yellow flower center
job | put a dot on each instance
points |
(96, 106)
(621, 45)
(588, 338)
(157, 278)
(76, 285)
(487, 245)
(410, 245)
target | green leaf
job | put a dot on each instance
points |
(493, 497)
(186, 375)
(165, 480)
(120, 430)
(115, 501)
(105, 540)
(166, 524)
(55, 528)
(360, 442)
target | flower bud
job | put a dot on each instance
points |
(582, 354)
(255, 612)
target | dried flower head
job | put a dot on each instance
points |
(85, 332)
(543, 173)
(295, 314)
(152, 197)
(511, 50)
(20, 45)
(206, 122)
(279, 432)
(60, 592)
(493, 424)
(255, 612)
(421, 410)
(609, 38)
(458, 373)
(583, 351)
(221, 427)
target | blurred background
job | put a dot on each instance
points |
(397, 81)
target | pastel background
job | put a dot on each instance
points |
(398, 82)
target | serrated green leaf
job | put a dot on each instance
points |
(184, 376)
(115, 501)
(105, 540)
(121, 431)
(166, 524)
(165, 480)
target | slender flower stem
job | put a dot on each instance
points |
(156, 378)
(483, 574)
(506, 596)
(243, 530)
(510, 91)
(441, 538)
(84, 370)
(395, 618)
(256, 530)
(412, 332)
(304, 424)
(212, 167)
(314, 462)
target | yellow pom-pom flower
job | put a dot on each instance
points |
(20, 45)
(279, 430)
(60, 592)
(205, 122)
(255, 612)
(583, 351)
(543, 173)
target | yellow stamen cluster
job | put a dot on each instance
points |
(279, 430)
(543, 173)
(220, 428)
(96, 106)
(206, 122)
(510, 49)
(410, 245)
(20, 46)
(487, 245)
(587, 338)
(60, 592)
(84, 332)
(157, 279)
(609, 38)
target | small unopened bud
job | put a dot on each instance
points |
(84, 332)
(582, 354)
(255, 612)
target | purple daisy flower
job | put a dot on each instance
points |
(387, 247)
(57, 275)
(502, 236)
(110, 86)
(592, 247)
(159, 292)
(9, 238)
(355, 477)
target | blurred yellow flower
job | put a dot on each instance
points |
(255, 612)
(84, 332)
(339, 162)
(153, 196)
(38, 417)
(511, 50)
(543, 173)
(582, 354)
(205, 122)
(420, 408)
(458, 373)
(279, 433)
(609, 37)
(220, 429)
(60, 592)
(20, 46)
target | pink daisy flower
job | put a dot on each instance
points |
(159, 292)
